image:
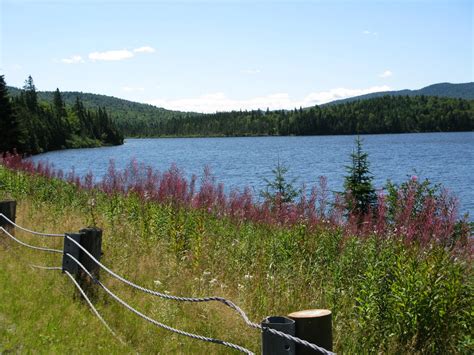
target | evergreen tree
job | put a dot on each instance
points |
(280, 190)
(31, 96)
(58, 104)
(9, 128)
(359, 191)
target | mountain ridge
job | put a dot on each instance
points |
(458, 90)
(91, 100)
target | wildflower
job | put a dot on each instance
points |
(213, 281)
(206, 273)
(157, 282)
(248, 277)
(240, 287)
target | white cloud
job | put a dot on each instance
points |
(220, 102)
(111, 55)
(75, 59)
(367, 32)
(132, 89)
(145, 49)
(250, 71)
(386, 74)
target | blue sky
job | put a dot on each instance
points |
(222, 55)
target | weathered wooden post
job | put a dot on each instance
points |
(274, 344)
(8, 209)
(315, 326)
(91, 240)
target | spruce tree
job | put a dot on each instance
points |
(359, 191)
(9, 127)
(31, 96)
(280, 190)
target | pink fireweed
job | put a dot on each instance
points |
(409, 215)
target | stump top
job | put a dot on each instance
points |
(310, 313)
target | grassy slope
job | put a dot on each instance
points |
(384, 297)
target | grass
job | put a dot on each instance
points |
(386, 296)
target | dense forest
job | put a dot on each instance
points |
(31, 126)
(433, 108)
(128, 115)
(54, 120)
(388, 114)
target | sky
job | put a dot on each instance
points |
(208, 56)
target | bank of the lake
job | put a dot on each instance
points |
(445, 158)
(387, 295)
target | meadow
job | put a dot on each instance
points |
(397, 281)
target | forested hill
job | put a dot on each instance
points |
(390, 112)
(459, 91)
(387, 114)
(137, 119)
(29, 125)
(131, 117)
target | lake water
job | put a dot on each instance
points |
(445, 158)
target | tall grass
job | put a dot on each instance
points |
(392, 289)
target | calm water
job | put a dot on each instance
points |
(445, 158)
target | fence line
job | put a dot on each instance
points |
(29, 230)
(151, 320)
(94, 310)
(30, 246)
(226, 302)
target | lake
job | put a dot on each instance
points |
(445, 158)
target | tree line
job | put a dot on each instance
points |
(30, 126)
(387, 114)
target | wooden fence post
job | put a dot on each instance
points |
(274, 344)
(90, 240)
(8, 208)
(315, 326)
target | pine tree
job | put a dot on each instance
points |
(9, 127)
(359, 191)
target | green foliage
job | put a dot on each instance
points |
(279, 190)
(408, 299)
(31, 127)
(407, 112)
(386, 297)
(378, 115)
(359, 191)
(9, 126)
(420, 191)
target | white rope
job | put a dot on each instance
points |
(94, 310)
(30, 246)
(28, 230)
(228, 303)
(46, 267)
(151, 320)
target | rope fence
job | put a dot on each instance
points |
(73, 263)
